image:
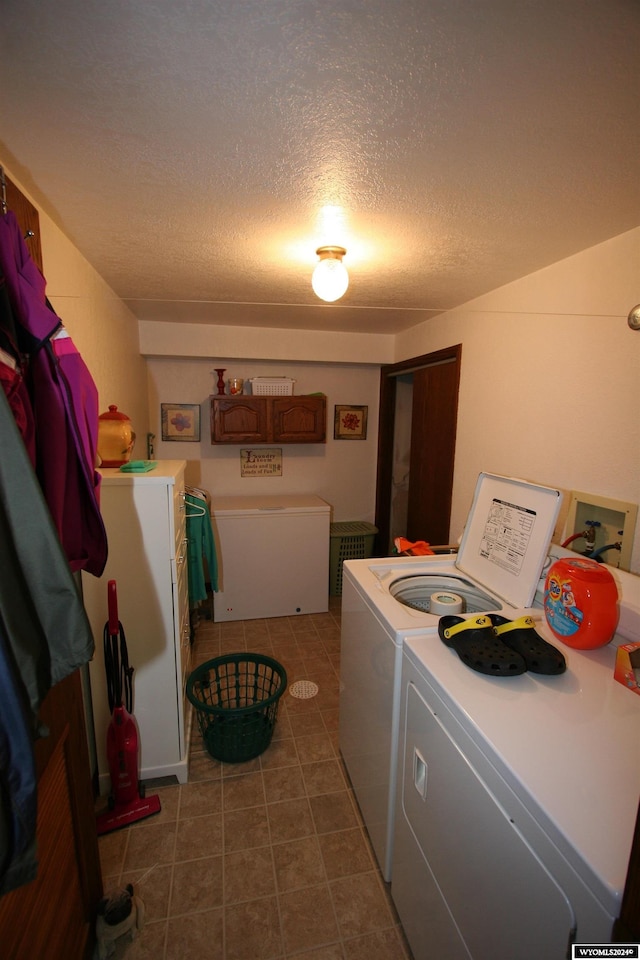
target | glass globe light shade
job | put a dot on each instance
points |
(330, 279)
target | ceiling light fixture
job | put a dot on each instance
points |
(330, 278)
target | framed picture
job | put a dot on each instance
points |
(180, 421)
(350, 423)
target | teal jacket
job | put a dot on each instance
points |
(201, 548)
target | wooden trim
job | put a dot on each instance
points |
(626, 929)
(387, 409)
(388, 374)
(28, 219)
(425, 360)
(54, 916)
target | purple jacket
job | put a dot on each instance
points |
(64, 403)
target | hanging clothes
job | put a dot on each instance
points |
(44, 635)
(201, 548)
(18, 817)
(64, 404)
(12, 373)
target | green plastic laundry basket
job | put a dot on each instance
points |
(350, 540)
(236, 700)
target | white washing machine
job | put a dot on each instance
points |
(516, 801)
(497, 568)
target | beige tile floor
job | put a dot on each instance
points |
(265, 859)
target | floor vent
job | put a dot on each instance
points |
(303, 689)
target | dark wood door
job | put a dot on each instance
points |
(436, 378)
(54, 916)
(433, 438)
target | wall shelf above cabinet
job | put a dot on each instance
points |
(275, 419)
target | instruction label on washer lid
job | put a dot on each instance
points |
(507, 534)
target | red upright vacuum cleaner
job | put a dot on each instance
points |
(127, 800)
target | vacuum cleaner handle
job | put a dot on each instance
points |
(112, 598)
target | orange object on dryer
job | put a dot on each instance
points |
(580, 603)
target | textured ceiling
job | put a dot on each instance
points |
(198, 152)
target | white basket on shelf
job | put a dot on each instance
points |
(271, 386)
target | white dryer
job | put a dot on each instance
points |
(516, 801)
(497, 568)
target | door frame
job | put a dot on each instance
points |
(387, 409)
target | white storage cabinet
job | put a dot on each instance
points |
(274, 556)
(144, 515)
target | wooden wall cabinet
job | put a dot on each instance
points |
(275, 419)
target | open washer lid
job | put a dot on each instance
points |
(507, 536)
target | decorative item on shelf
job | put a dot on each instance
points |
(235, 385)
(180, 421)
(272, 386)
(115, 438)
(330, 278)
(220, 384)
(350, 423)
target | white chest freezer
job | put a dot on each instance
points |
(273, 555)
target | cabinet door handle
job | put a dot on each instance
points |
(182, 556)
(420, 773)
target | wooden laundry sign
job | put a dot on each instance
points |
(261, 463)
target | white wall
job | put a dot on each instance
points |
(550, 378)
(263, 343)
(342, 472)
(550, 374)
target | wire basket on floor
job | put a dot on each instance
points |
(236, 700)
